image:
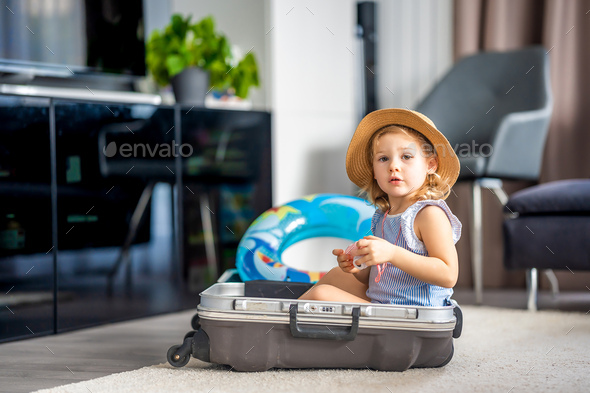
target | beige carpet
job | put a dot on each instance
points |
(500, 351)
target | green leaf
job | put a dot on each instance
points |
(175, 64)
(179, 25)
(245, 75)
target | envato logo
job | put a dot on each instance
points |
(473, 149)
(145, 150)
(463, 150)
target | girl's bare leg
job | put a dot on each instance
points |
(337, 284)
(329, 293)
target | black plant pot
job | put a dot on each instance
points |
(190, 86)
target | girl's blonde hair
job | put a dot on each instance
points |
(434, 186)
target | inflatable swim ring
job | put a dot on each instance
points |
(318, 215)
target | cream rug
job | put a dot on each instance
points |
(500, 350)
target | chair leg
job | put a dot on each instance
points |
(531, 285)
(476, 242)
(501, 195)
(495, 186)
(553, 281)
(124, 257)
(207, 223)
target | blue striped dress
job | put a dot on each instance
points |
(396, 286)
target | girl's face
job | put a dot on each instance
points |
(399, 164)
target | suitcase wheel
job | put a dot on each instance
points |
(176, 359)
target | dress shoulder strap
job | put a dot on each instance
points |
(410, 214)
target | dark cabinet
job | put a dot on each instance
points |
(115, 211)
(26, 258)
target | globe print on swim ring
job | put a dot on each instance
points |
(318, 215)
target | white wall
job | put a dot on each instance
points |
(157, 15)
(312, 90)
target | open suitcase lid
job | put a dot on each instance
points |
(228, 301)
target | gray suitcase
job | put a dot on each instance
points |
(255, 326)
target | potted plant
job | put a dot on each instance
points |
(194, 59)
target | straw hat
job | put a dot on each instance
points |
(358, 167)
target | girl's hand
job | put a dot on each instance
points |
(374, 250)
(345, 261)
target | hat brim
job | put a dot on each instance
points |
(360, 171)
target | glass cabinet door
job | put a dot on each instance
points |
(226, 184)
(115, 176)
(26, 255)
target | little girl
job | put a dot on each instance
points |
(406, 167)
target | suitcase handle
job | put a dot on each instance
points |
(458, 318)
(324, 332)
(459, 323)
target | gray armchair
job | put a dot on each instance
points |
(495, 108)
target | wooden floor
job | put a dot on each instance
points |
(55, 360)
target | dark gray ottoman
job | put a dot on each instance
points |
(550, 229)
